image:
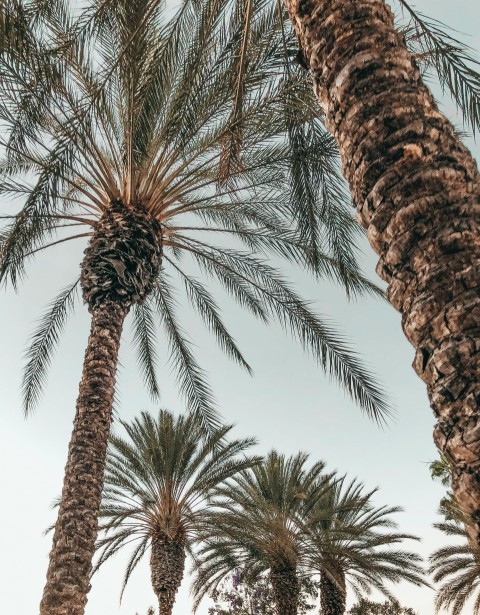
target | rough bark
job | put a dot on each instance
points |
(167, 564)
(333, 593)
(123, 257)
(286, 589)
(417, 191)
(68, 576)
(119, 269)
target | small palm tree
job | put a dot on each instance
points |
(351, 543)
(258, 527)
(456, 568)
(158, 483)
(148, 136)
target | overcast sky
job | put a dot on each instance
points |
(288, 405)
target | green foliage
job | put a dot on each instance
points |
(190, 115)
(352, 537)
(160, 478)
(367, 607)
(441, 470)
(237, 595)
(454, 63)
(456, 568)
(258, 521)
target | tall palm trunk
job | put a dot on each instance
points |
(167, 565)
(68, 576)
(286, 589)
(333, 593)
(417, 191)
(119, 268)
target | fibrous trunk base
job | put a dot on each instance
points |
(167, 565)
(417, 191)
(286, 589)
(332, 594)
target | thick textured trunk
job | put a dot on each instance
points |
(120, 266)
(333, 593)
(286, 589)
(417, 191)
(167, 564)
(68, 576)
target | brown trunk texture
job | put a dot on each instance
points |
(167, 564)
(333, 594)
(417, 191)
(286, 589)
(120, 267)
(68, 576)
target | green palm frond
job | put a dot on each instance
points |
(145, 340)
(44, 340)
(190, 376)
(349, 534)
(455, 63)
(205, 305)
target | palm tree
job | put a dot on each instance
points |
(416, 188)
(158, 483)
(123, 127)
(457, 568)
(257, 527)
(352, 543)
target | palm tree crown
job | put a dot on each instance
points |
(281, 518)
(138, 122)
(258, 527)
(157, 486)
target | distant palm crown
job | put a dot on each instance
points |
(259, 522)
(158, 483)
(149, 134)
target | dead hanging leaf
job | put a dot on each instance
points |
(230, 157)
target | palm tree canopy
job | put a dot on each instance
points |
(188, 116)
(352, 537)
(258, 521)
(159, 480)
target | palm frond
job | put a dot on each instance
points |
(144, 339)
(44, 341)
(454, 62)
(190, 376)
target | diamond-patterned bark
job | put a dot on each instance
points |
(417, 192)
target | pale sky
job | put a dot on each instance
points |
(288, 405)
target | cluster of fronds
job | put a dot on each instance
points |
(123, 101)
(159, 478)
(456, 568)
